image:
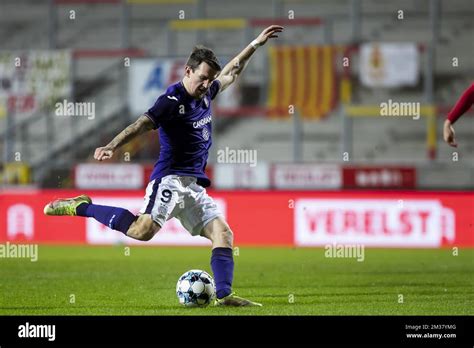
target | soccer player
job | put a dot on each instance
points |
(177, 184)
(462, 105)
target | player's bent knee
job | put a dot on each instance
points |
(145, 235)
(144, 228)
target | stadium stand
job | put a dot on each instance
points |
(98, 46)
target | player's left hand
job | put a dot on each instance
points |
(268, 33)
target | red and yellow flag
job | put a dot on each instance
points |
(302, 77)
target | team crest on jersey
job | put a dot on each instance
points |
(205, 133)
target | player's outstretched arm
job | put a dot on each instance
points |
(233, 69)
(462, 105)
(140, 126)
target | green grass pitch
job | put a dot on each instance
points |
(288, 281)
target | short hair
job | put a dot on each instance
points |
(203, 54)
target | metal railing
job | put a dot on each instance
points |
(42, 150)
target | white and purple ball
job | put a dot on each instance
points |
(195, 288)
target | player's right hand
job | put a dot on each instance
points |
(103, 153)
(448, 134)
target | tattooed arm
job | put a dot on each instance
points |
(140, 126)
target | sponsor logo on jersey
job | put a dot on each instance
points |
(202, 122)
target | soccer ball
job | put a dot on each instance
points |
(195, 288)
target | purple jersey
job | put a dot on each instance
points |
(184, 126)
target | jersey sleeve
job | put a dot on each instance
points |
(162, 110)
(214, 89)
(462, 105)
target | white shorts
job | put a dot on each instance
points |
(180, 197)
